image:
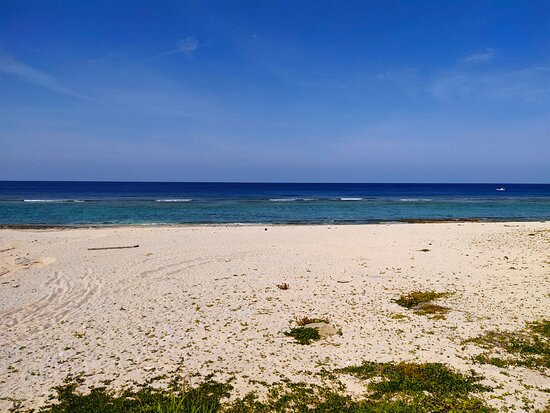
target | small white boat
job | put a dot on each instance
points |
(501, 189)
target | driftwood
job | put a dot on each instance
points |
(7, 249)
(113, 248)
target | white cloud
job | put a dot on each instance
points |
(188, 46)
(11, 66)
(482, 56)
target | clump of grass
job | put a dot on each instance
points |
(283, 286)
(420, 302)
(308, 320)
(484, 358)
(433, 378)
(433, 310)
(304, 335)
(415, 298)
(529, 347)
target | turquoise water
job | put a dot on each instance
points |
(117, 203)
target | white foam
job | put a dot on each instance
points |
(52, 200)
(351, 199)
(174, 200)
(290, 199)
(415, 199)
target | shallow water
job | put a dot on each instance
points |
(115, 203)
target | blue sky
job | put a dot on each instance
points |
(310, 91)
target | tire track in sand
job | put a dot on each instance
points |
(65, 295)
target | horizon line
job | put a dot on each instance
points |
(285, 182)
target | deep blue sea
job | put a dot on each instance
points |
(122, 203)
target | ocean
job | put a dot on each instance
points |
(142, 203)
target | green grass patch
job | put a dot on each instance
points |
(529, 347)
(304, 398)
(484, 358)
(399, 388)
(433, 378)
(540, 327)
(304, 335)
(205, 398)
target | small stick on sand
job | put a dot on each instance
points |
(113, 248)
(7, 249)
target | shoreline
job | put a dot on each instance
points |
(269, 224)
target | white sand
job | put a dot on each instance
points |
(204, 299)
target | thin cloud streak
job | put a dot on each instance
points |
(13, 67)
(483, 56)
(528, 85)
(186, 46)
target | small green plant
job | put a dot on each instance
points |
(304, 335)
(415, 298)
(420, 302)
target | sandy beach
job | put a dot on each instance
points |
(204, 299)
